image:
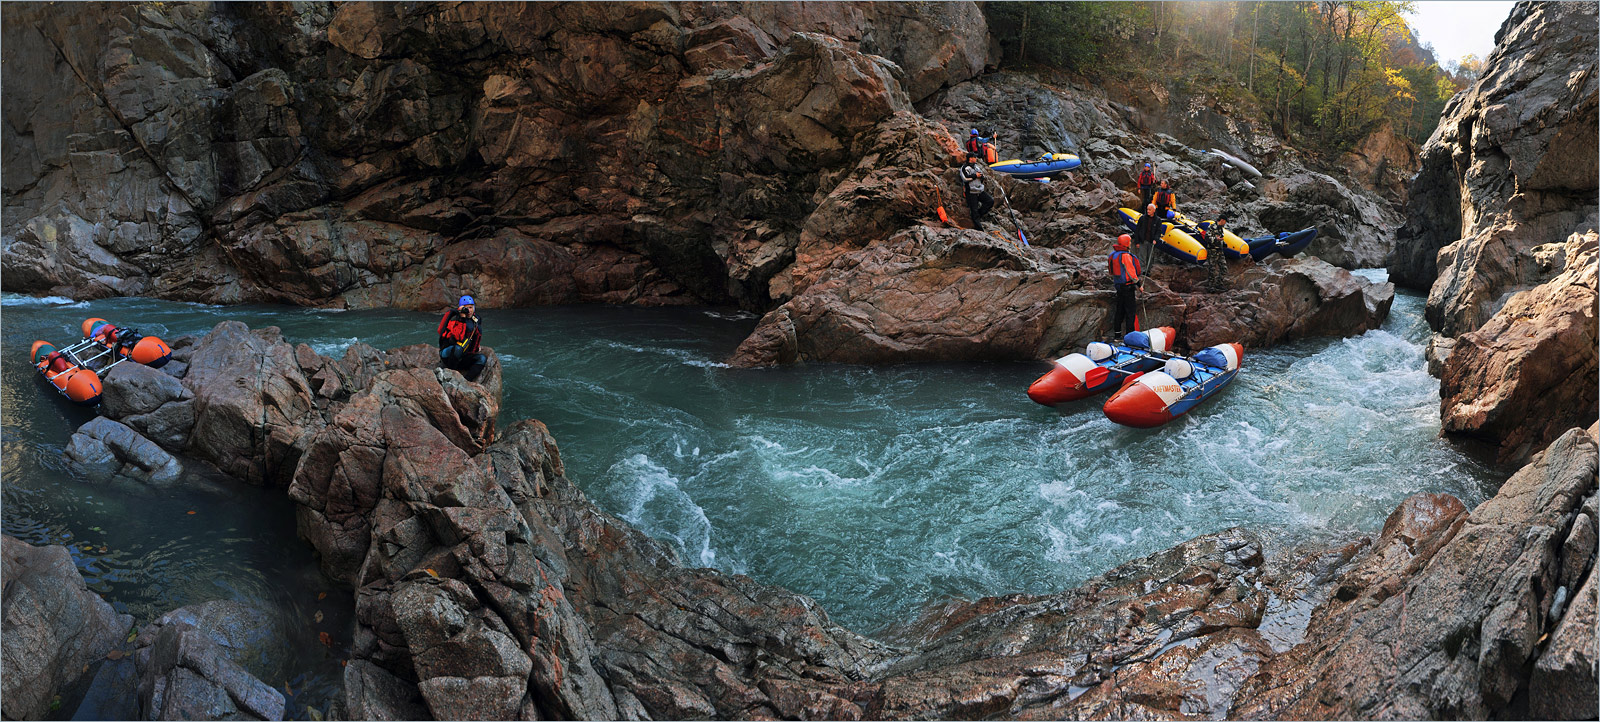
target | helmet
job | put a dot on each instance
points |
(974, 131)
(466, 301)
(1123, 241)
(1171, 215)
(1147, 165)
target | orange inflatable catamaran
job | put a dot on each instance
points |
(75, 370)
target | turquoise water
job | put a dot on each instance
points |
(874, 490)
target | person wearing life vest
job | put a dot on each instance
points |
(979, 201)
(979, 147)
(1125, 277)
(1164, 200)
(459, 334)
(1211, 235)
(1147, 185)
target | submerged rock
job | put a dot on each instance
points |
(54, 626)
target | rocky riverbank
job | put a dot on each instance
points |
(394, 156)
(1501, 230)
(487, 585)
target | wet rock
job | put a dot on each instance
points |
(372, 693)
(54, 626)
(1438, 352)
(244, 634)
(1445, 623)
(151, 402)
(132, 388)
(185, 674)
(252, 405)
(102, 450)
(1529, 374)
(1510, 167)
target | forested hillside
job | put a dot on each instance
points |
(1324, 74)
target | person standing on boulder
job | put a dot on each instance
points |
(1165, 200)
(1147, 232)
(1147, 185)
(1212, 235)
(459, 334)
(978, 147)
(1125, 277)
(979, 201)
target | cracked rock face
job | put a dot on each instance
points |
(1510, 167)
(386, 155)
(1501, 228)
(54, 626)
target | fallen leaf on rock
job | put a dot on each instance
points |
(318, 618)
(327, 641)
(191, 511)
(116, 654)
(432, 573)
(321, 595)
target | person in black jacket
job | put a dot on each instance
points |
(459, 334)
(1147, 232)
(979, 202)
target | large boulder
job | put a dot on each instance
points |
(1511, 166)
(184, 673)
(944, 294)
(1448, 612)
(103, 450)
(54, 626)
(1529, 374)
(253, 406)
(150, 401)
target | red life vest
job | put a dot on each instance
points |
(1165, 199)
(1147, 179)
(1124, 267)
(460, 332)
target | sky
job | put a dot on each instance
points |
(1458, 28)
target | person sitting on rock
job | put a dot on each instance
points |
(1212, 236)
(1165, 200)
(1147, 185)
(459, 334)
(1125, 277)
(979, 202)
(1148, 231)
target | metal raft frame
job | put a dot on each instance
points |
(73, 355)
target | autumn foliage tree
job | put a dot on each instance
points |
(1325, 73)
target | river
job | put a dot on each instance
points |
(873, 490)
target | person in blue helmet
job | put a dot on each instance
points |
(977, 146)
(459, 334)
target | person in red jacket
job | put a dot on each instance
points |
(459, 334)
(1125, 277)
(1147, 185)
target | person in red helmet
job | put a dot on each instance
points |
(459, 334)
(1125, 277)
